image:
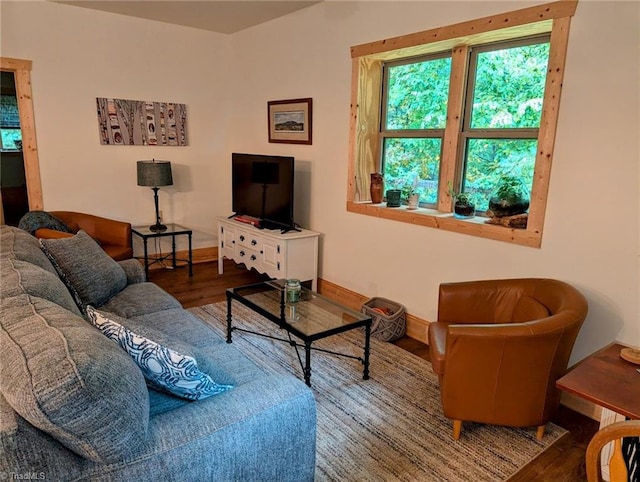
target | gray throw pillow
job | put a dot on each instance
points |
(91, 275)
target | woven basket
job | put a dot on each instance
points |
(386, 327)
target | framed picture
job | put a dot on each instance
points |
(290, 121)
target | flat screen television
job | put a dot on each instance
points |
(262, 187)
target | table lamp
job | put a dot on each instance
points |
(154, 174)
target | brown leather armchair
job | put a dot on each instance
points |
(113, 236)
(499, 346)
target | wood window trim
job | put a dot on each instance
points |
(22, 72)
(366, 85)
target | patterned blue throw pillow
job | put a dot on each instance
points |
(163, 368)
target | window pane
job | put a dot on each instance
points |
(417, 95)
(9, 116)
(406, 159)
(8, 138)
(489, 159)
(509, 87)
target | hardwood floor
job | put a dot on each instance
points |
(563, 462)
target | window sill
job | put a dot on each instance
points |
(432, 218)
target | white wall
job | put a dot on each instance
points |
(590, 239)
(592, 227)
(80, 54)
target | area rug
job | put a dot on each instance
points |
(390, 427)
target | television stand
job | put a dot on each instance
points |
(246, 219)
(270, 225)
(286, 255)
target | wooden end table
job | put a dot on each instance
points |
(609, 381)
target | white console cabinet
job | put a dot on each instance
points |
(283, 256)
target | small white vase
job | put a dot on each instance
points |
(413, 201)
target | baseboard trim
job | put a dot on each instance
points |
(417, 328)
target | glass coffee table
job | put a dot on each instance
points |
(312, 318)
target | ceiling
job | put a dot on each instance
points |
(213, 15)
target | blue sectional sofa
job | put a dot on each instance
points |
(75, 406)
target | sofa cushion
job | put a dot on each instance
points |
(19, 277)
(18, 244)
(140, 299)
(65, 378)
(165, 369)
(181, 331)
(89, 273)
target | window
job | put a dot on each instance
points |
(459, 107)
(414, 118)
(9, 123)
(505, 92)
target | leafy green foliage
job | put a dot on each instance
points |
(509, 87)
(510, 189)
(418, 94)
(406, 158)
(488, 160)
(508, 93)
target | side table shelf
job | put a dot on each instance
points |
(172, 230)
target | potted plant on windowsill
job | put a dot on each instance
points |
(463, 208)
(410, 193)
(509, 199)
(393, 197)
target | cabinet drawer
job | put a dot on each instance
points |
(250, 257)
(248, 240)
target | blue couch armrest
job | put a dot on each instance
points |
(134, 271)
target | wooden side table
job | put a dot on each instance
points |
(607, 380)
(172, 230)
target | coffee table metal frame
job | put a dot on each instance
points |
(280, 320)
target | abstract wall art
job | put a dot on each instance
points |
(141, 123)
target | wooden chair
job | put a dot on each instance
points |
(617, 467)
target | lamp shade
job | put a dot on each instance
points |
(154, 173)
